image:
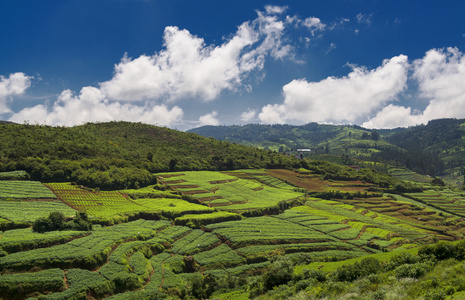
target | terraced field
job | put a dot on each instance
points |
(106, 204)
(446, 200)
(315, 184)
(228, 192)
(240, 227)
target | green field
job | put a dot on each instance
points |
(106, 204)
(17, 189)
(228, 192)
(240, 230)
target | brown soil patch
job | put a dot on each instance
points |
(186, 186)
(195, 192)
(209, 198)
(222, 181)
(315, 184)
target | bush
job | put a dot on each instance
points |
(56, 221)
(354, 271)
(413, 270)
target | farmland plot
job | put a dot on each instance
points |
(229, 192)
(29, 211)
(18, 189)
(104, 204)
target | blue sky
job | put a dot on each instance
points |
(183, 64)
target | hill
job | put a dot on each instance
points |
(120, 154)
(435, 149)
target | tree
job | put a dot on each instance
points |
(172, 164)
(375, 136)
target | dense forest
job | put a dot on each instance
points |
(120, 154)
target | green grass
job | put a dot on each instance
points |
(331, 266)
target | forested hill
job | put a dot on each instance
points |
(120, 154)
(311, 135)
(443, 139)
(435, 149)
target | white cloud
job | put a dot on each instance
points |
(209, 119)
(331, 48)
(248, 115)
(346, 99)
(188, 68)
(338, 24)
(364, 18)
(440, 75)
(273, 114)
(314, 24)
(13, 85)
(393, 116)
(271, 9)
(91, 106)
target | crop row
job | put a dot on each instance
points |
(29, 211)
(89, 251)
(24, 189)
(221, 256)
(19, 285)
(266, 230)
(195, 242)
(198, 220)
(25, 239)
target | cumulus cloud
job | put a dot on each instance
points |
(188, 68)
(13, 85)
(248, 115)
(346, 99)
(143, 88)
(92, 106)
(393, 116)
(209, 119)
(440, 75)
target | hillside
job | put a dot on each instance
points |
(120, 154)
(444, 140)
(435, 149)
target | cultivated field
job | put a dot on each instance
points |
(195, 225)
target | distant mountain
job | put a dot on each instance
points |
(435, 149)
